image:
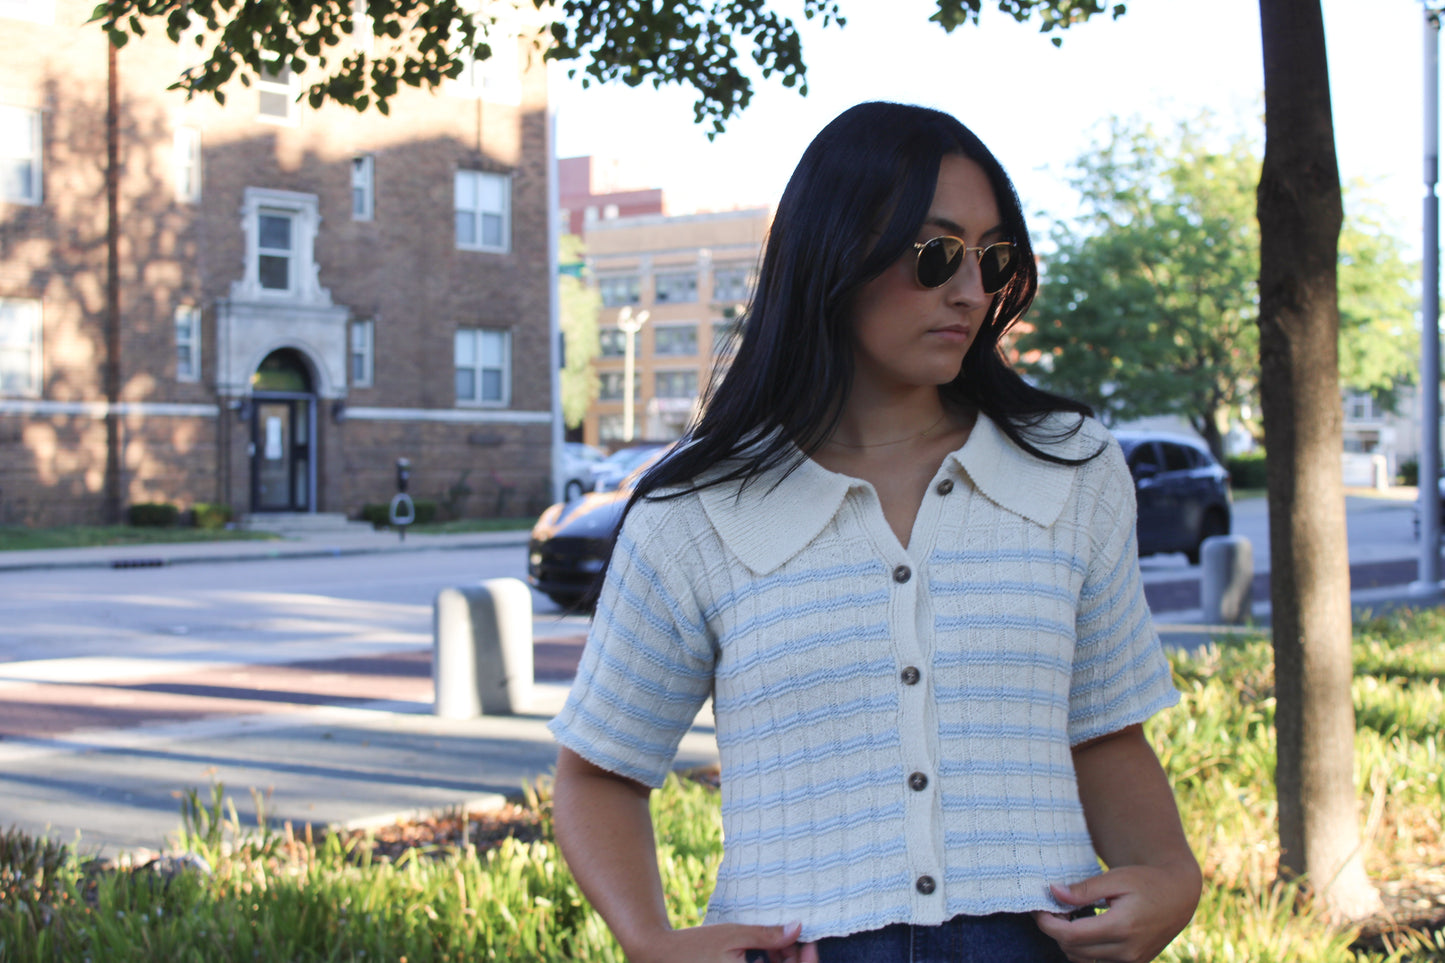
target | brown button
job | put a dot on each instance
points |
(918, 782)
(945, 486)
(925, 885)
(902, 574)
(910, 675)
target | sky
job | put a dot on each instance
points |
(1037, 107)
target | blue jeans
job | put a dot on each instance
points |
(1000, 938)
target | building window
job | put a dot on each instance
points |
(676, 384)
(609, 429)
(610, 386)
(725, 333)
(483, 366)
(731, 283)
(188, 343)
(612, 342)
(275, 249)
(619, 289)
(276, 98)
(1360, 407)
(363, 191)
(363, 354)
(187, 155)
(20, 155)
(20, 347)
(675, 339)
(483, 211)
(676, 287)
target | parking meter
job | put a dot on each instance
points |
(402, 511)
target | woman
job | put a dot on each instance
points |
(908, 581)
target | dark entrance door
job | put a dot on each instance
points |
(282, 430)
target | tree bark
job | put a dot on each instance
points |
(1299, 217)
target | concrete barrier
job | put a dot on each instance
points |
(482, 655)
(1226, 579)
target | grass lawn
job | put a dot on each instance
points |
(274, 895)
(14, 538)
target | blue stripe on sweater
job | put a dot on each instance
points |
(966, 802)
(988, 730)
(812, 608)
(767, 729)
(896, 846)
(813, 829)
(1007, 556)
(833, 677)
(1042, 698)
(867, 742)
(1004, 767)
(623, 737)
(1031, 590)
(802, 646)
(879, 886)
(999, 622)
(1021, 840)
(809, 578)
(857, 782)
(676, 619)
(1003, 657)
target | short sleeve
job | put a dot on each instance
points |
(648, 664)
(1120, 675)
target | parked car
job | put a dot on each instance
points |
(1183, 493)
(577, 462)
(608, 473)
(572, 540)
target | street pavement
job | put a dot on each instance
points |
(97, 751)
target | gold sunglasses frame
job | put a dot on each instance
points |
(918, 247)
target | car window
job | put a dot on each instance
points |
(1143, 454)
(1176, 457)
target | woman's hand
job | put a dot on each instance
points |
(727, 943)
(1148, 906)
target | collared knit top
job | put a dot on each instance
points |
(894, 724)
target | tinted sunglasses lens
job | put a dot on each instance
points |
(996, 265)
(938, 260)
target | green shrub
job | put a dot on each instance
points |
(211, 515)
(153, 514)
(380, 515)
(1409, 472)
(1246, 471)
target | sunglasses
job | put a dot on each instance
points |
(939, 259)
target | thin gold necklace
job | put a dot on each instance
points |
(896, 441)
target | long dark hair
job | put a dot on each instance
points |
(853, 206)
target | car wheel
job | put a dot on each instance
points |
(1214, 524)
(573, 489)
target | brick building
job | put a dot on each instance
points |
(291, 299)
(689, 277)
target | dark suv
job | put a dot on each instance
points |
(1183, 493)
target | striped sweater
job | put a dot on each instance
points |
(894, 724)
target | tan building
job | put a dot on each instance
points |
(687, 279)
(291, 299)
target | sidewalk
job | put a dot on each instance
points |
(337, 741)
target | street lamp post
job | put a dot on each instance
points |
(630, 324)
(1428, 581)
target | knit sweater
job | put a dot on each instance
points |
(894, 724)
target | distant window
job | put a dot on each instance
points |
(612, 342)
(363, 337)
(675, 339)
(483, 366)
(187, 157)
(1176, 457)
(676, 384)
(20, 362)
(610, 428)
(483, 207)
(276, 98)
(20, 155)
(676, 287)
(610, 386)
(619, 289)
(1142, 455)
(723, 334)
(610, 212)
(1360, 407)
(732, 282)
(363, 176)
(188, 343)
(276, 249)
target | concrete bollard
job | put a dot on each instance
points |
(1226, 579)
(482, 649)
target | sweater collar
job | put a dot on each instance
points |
(781, 512)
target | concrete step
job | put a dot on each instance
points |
(285, 523)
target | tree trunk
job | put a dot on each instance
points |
(1299, 219)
